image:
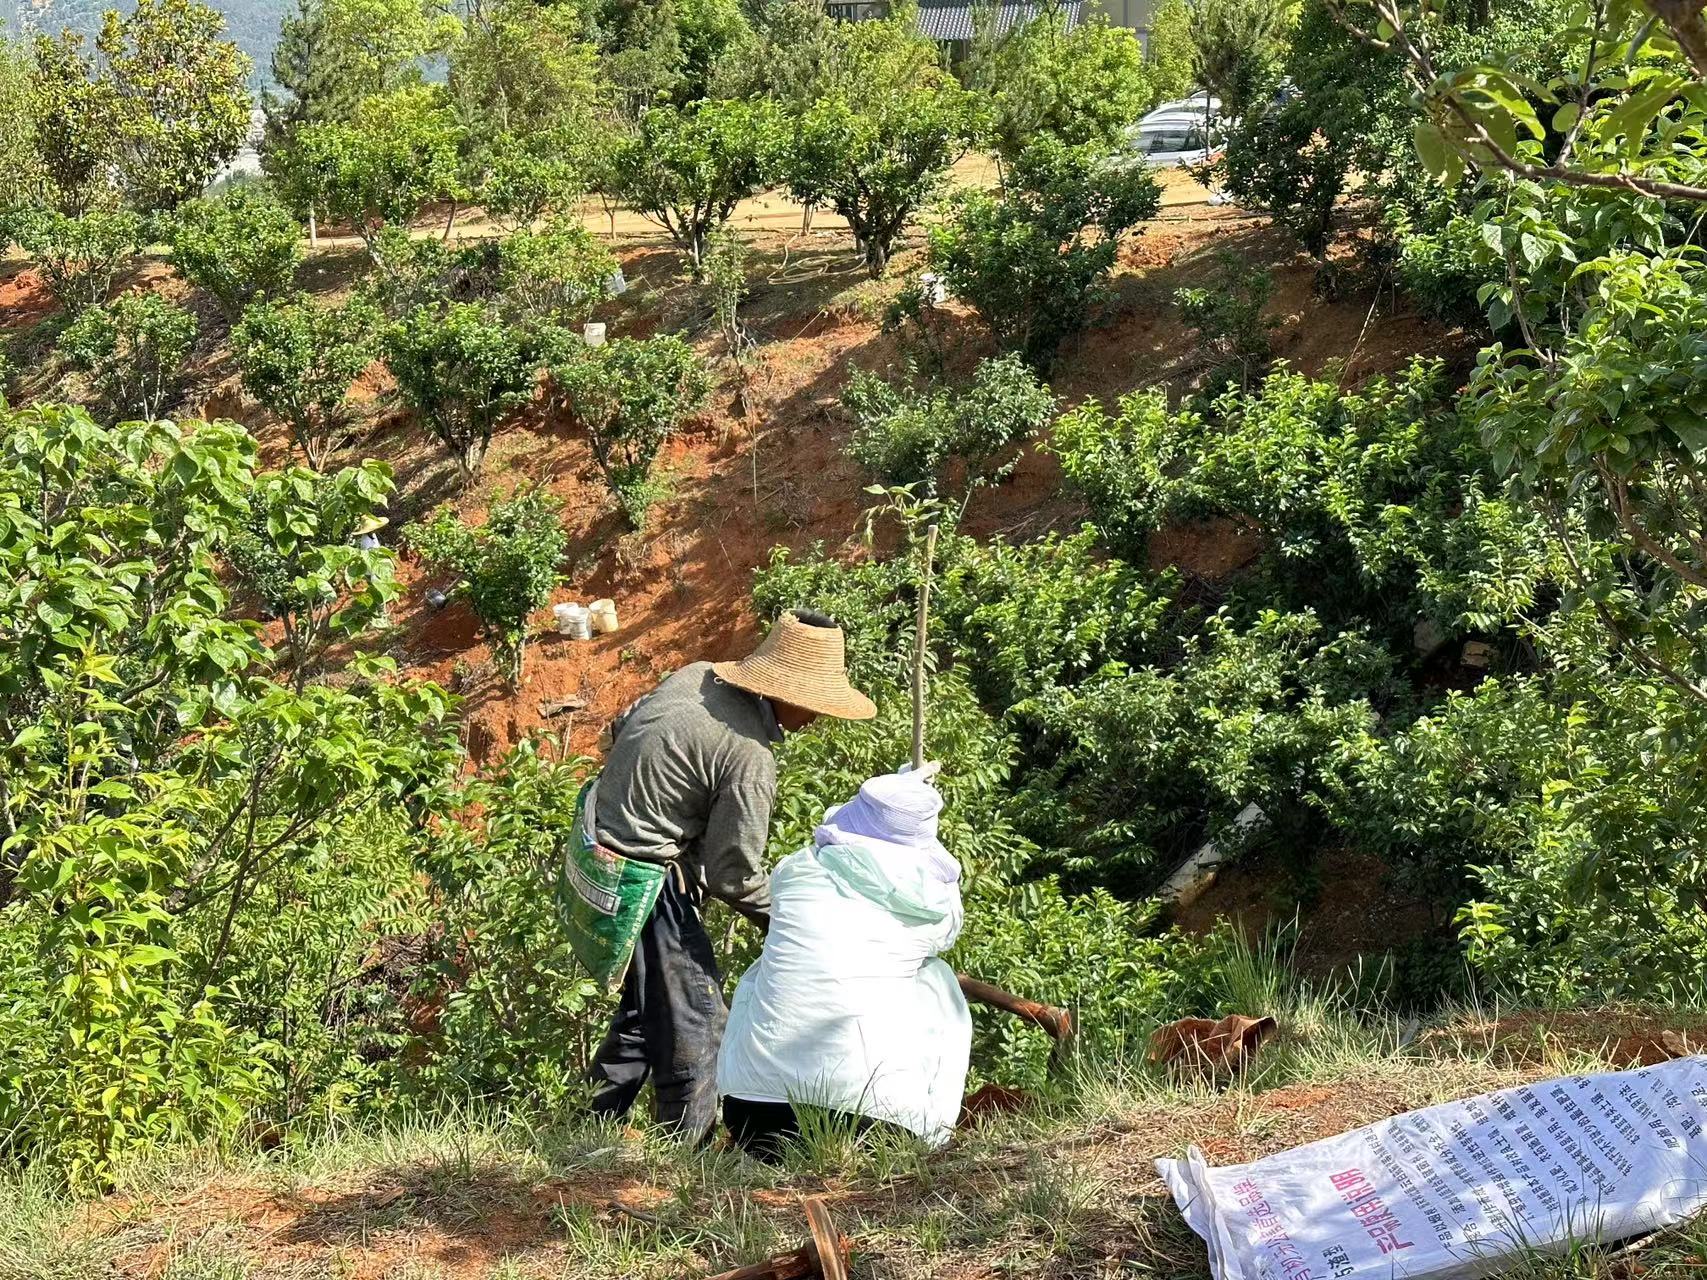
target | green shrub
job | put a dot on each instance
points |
(630, 396)
(133, 351)
(507, 568)
(1083, 83)
(557, 275)
(296, 552)
(531, 176)
(1227, 315)
(689, 166)
(299, 360)
(907, 437)
(1040, 614)
(1445, 270)
(1033, 260)
(1371, 505)
(1133, 769)
(200, 793)
(522, 1018)
(876, 153)
(239, 246)
(79, 258)
(462, 371)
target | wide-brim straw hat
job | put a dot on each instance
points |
(803, 664)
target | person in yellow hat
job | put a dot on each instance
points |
(682, 807)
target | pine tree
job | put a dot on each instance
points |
(312, 85)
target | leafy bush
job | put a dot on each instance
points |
(79, 258)
(690, 166)
(1228, 317)
(1280, 160)
(1047, 613)
(238, 246)
(299, 360)
(630, 396)
(531, 176)
(1133, 769)
(523, 1018)
(1445, 270)
(507, 567)
(876, 153)
(1031, 261)
(907, 437)
(133, 350)
(198, 789)
(462, 371)
(1080, 84)
(1374, 505)
(296, 551)
(557, 275)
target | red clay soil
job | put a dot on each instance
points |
(1354, 915)
(24, 299)
(743, 484)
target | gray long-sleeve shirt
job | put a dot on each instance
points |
(690, 777)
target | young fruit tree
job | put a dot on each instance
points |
(631, 396)
(297, 550)
(506, 568)
(81, 257)
(398, 152)
(929, 439)
(556, 275)
(299, 360)
(881, 132)
(462, 371)
(875, 162)
(689, 166)
(1032, 259)
(135, 865)
(1080, 84)
(239, 246)
(133, 350)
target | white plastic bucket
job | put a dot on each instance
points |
(572, 621)
(603, 613)
(593, 333)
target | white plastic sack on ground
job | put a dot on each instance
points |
(1458, 1190)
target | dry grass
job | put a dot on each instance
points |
(1065, 1190)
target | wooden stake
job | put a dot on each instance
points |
(919, 641)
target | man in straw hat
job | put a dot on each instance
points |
(687, 788)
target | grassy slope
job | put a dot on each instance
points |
(1067, 1190)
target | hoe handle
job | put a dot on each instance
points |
(1057, 1022)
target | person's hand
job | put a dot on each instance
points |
(925, 772)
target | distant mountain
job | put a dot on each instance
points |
(253, 24)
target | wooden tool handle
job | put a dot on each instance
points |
(1057, 1022)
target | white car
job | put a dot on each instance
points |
(1177, 134)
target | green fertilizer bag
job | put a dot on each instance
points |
(605, 898)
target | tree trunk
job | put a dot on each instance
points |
(313, 231)
(450, 218)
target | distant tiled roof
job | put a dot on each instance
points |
(953, 19)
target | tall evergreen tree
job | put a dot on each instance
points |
(312, 85)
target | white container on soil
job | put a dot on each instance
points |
(573, 621)
(603, 614)
(593, 333)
